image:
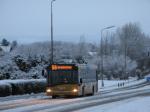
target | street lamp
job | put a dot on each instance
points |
(52, 30)
(106, 28)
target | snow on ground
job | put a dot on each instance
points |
(2, 82)
(47, 103)
(110, 83)
(22, 98)
(19, 81)
(139, 104)
(113, 84)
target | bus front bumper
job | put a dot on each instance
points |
(50, 92)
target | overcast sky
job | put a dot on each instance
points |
(29, 20)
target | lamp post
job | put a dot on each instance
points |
(52, 30)
(106, 28)
(125, 58)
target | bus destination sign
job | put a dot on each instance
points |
(61, 67)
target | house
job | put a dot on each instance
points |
(92, 54)
(5, 48)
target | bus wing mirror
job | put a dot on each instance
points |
(43, 72)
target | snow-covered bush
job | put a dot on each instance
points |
(27, 61)
(7, 67)
(5, 89)
(113, 66)
(39, 86)
(31, 86)
(16, 87)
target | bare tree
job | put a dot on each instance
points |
(81, 51)
(131, 40)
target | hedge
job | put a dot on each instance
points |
(19, 87)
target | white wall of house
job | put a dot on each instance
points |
(5, 48)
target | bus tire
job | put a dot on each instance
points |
(54, 97)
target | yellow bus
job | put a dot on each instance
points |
(71, 80)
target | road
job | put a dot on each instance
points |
(42, 103)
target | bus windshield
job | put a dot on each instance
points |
(63, 77)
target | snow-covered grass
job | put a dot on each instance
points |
(113, 84)
(109, 83)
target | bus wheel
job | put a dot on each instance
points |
(54, 97)
(83, 92)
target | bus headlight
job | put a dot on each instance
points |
(48, 90)
(75, 90)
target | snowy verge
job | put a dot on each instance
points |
(16, 87)
(138, 104)
(113, 84)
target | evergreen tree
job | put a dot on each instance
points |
(5, 42)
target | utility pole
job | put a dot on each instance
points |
(52, 60)
(125, 56)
